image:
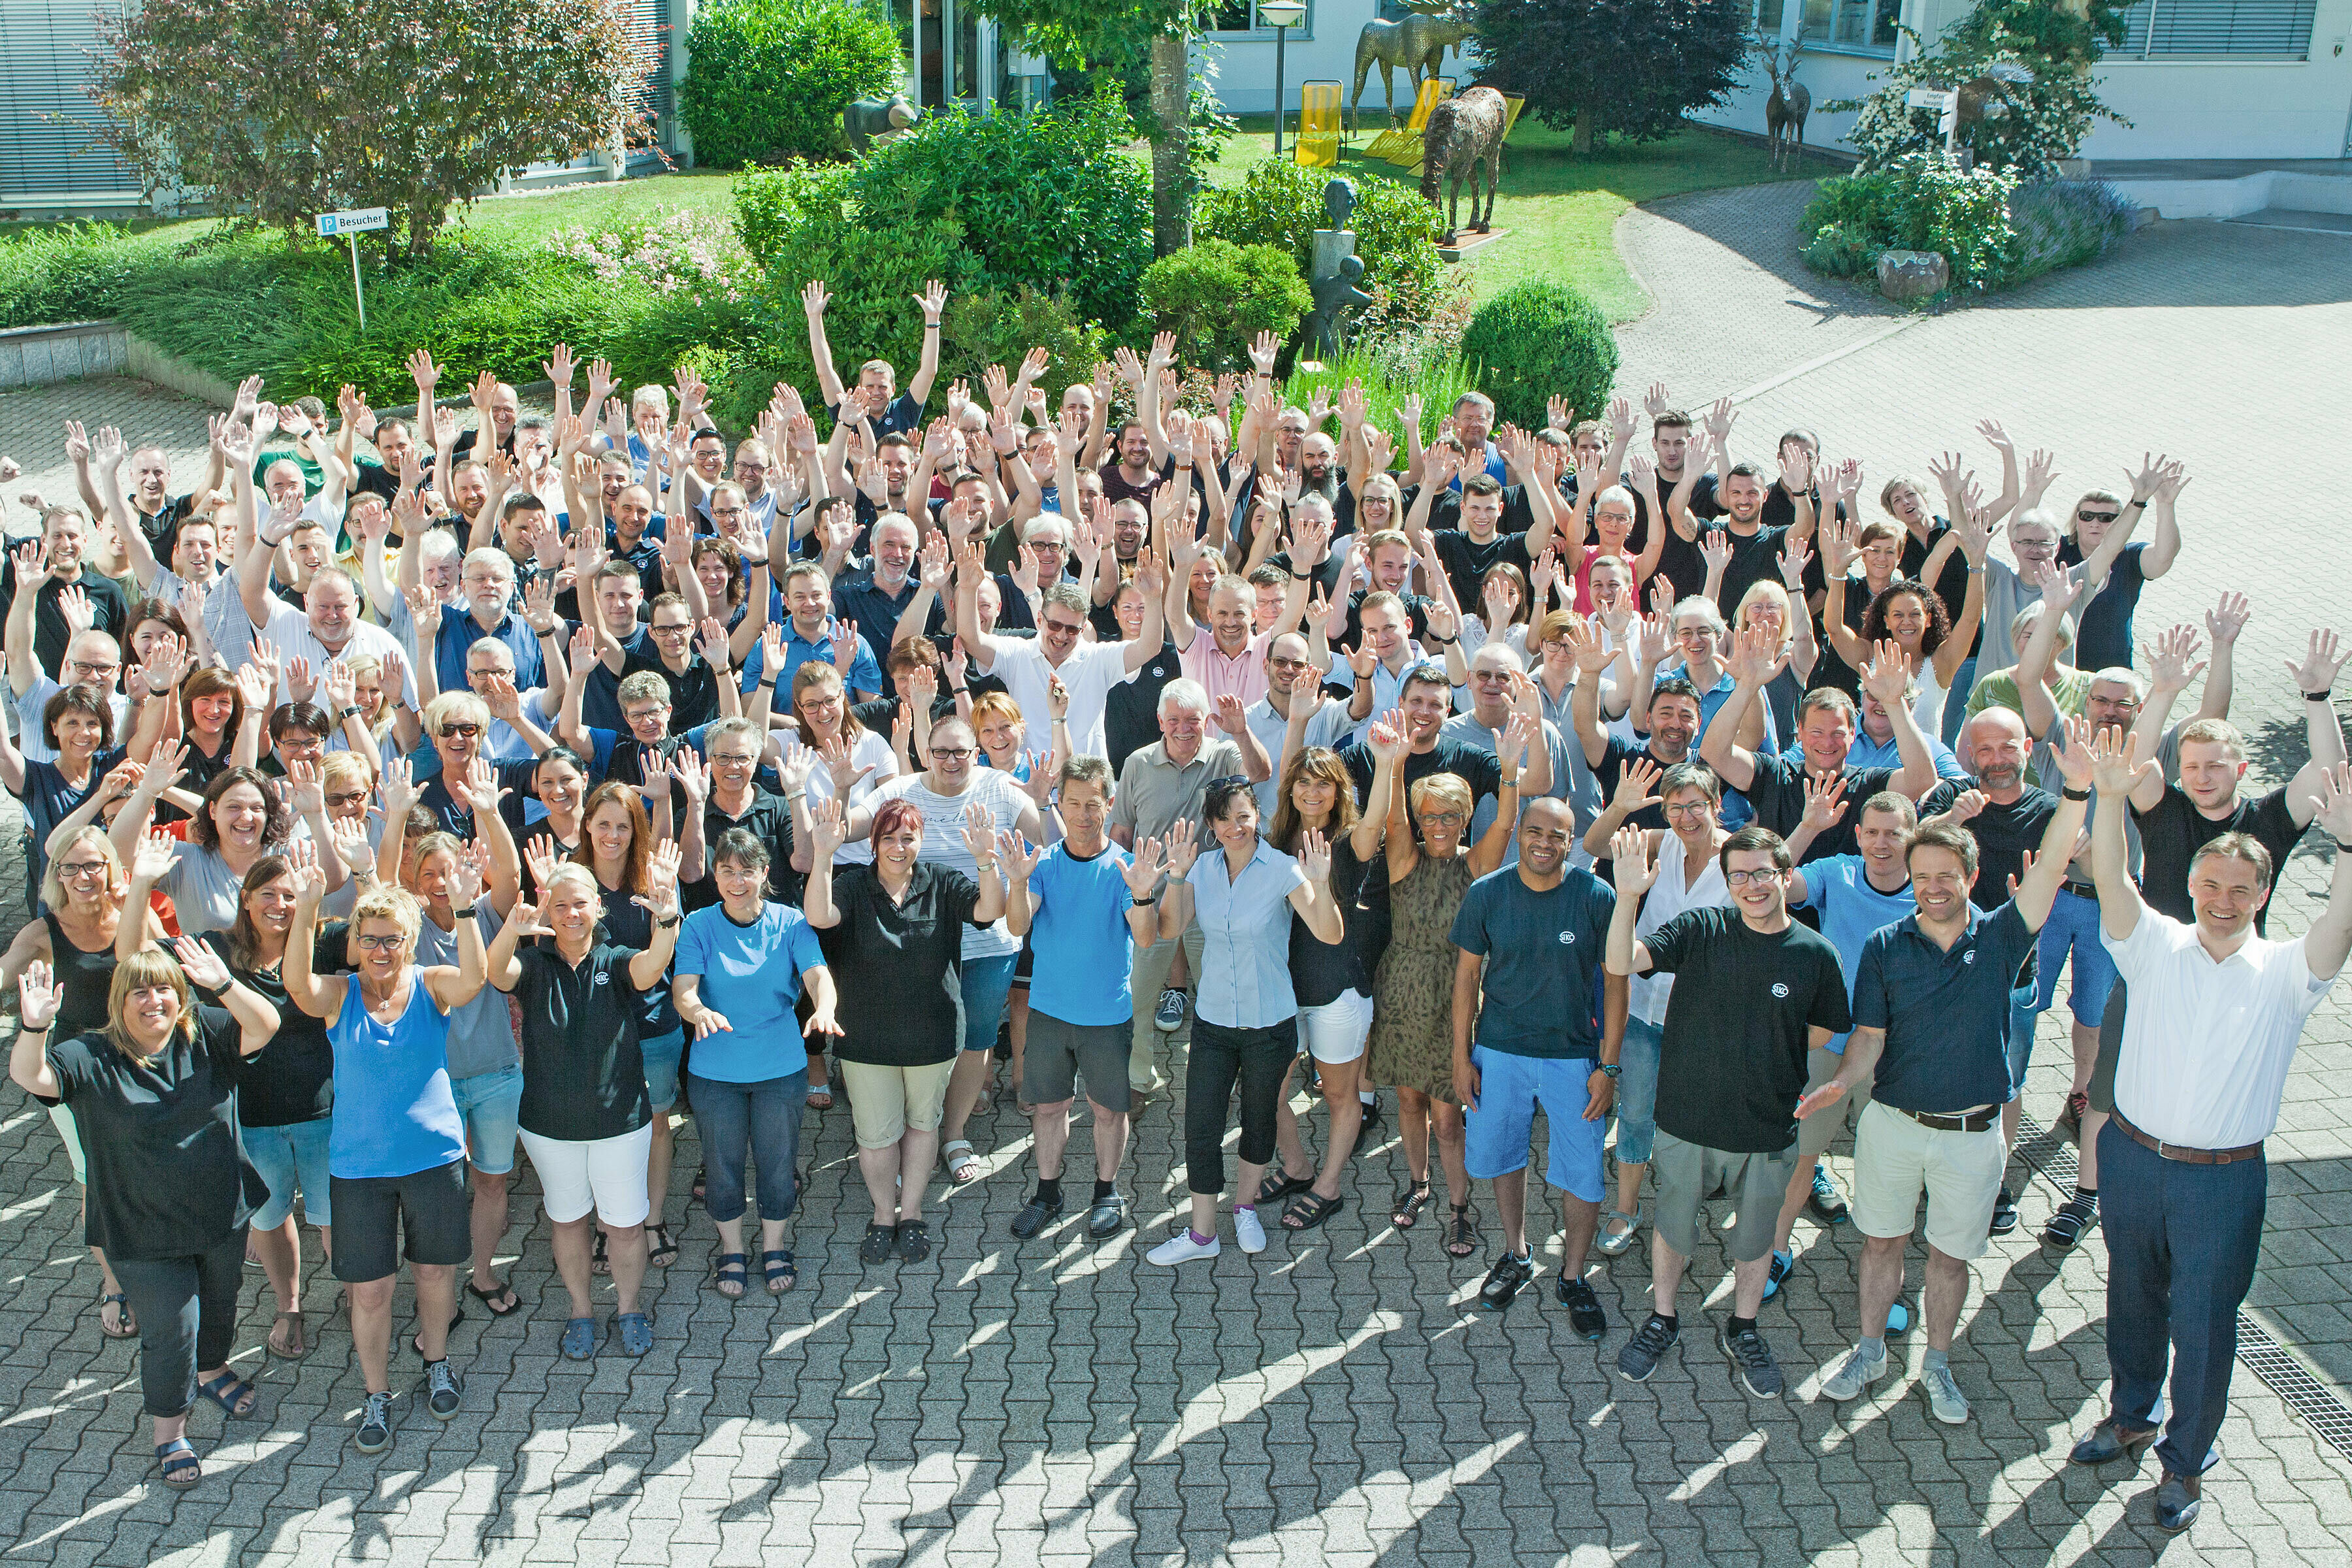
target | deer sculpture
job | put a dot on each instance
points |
(1792, 100)
(1418, 43)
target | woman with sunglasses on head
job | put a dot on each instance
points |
(2118, 570)
(1412, 1045)
(1243, 891)
(155, 1089)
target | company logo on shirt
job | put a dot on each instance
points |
(1970, 956)
(601, 978)
(1781, 989)
(1568, 939)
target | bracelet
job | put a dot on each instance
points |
(1976, 571)
(2139, 504)
(1302, 576)
(668, 924)
(2070, 793)
(1443, 642)
(2346, 849)
(465, 914)
(2319, 697)
(351, 712)
(1146, 903)
(28, 1030)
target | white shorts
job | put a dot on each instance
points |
(62, 1119)
(1336, 1031)
(1895, 1158)
(607, 1175)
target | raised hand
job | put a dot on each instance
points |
(156, 855)
(1018, 856)
(1143, 872)
(1315, 856)
(1520, 736)
(2116, 765)
(2228, 617)
(1715, 549)
(307, 797)
(2074, 758)
(980, 836)
(2321, 660)
(660, 898)
(1635, 783)
(1793, 561)
(39, 996)
(1889, 673)
(1634, 870)
(2331, 805)
(1386, 735)
(1183, 848)
(1754, 654)
(1825, 802)
(399, 792)
(542, 856)
(2172, 662)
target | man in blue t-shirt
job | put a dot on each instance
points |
(1531, 937)
(1084, 906)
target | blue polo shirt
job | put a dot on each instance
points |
(1542, 951)
(875, 610)
(460, 632)
(1946, 1014)
(865, 675)
(1852, 910)
(1086, 949)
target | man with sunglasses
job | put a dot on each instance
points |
(1499, 687)
(2102, 635)
(1059, 651)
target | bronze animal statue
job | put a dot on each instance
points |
(1464, 131)
(1792, 100)
(1418, 43)
(866, 120)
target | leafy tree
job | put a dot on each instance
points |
(283, 109)
(1633, 67)
(767, 78)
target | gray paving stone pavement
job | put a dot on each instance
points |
(1339, 1398)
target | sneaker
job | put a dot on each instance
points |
(1247, 1232)
(1854, 1373)
(1827, 1203)
(1783, 1264)
(1945, 1399)
(1169, 1016)
(1511, 1275)
(374, 1435)
(1751, 1361)
(1584, 1313)
(1642, 1352)
(1108, 1217)
(2004, 1213)
(444, 1390)
(1035, 1217)
(1181, 1249)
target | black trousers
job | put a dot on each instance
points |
(1257, 1060)
(186, 1309)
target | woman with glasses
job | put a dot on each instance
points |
(78, 726)
(458, 725)
(1243, 893)
(741, 964)
(1612, 521)
(1690, 876)
(347, 791)
(1412, 988)
(155, 1087)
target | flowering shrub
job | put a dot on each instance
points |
(692, 256)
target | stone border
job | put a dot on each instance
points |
(41, 356)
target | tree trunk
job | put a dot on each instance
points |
(1172, 184)
(1581, 145)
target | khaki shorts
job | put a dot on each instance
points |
(1686, 1173)
(1816, 1133)
(1896, 1157)
(885, 1103)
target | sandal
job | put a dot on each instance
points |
(2071, 1222)
(779, 1270)
(729, 1269)
(963, 1165)
(820, 1097)
(1309, 1209)
(1278, 1186)
(914, 1241)
(417, 1341)
(1610, 1246)
(502, 1292)
(663, 1251)
(1461, 1234)
(181, 1469)
(701, 1180)
(126, 1326)
(880, 1242)
(235, 1396)
(637, 1331)
(1411, 1199)
(297, 1344)
(599, 1263)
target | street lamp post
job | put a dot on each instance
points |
(1282, 16)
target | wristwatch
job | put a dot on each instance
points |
(351, 712)
(1610, 1069)
(665, 925)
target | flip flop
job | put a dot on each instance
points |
(302, 1346)
(123, 1315)
(490, 1298)
(820, 1097)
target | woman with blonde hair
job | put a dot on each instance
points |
(171, 1188)
(377, 712)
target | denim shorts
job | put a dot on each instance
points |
(2073, 926)
(491, 1103)
(292, 1157)
(1498, 1135)
(663, 1056)
(1637, 1090)
(986, 984)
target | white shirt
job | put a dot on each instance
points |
(505, 743)
(2206, 1046)
(943, 835)
(1090, 671)
(872, 751)
(1326, 726)
(289, 629)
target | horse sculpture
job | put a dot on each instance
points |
(1418, 43)
(1792, 100)
(1464, 131)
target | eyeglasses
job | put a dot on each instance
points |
(1441, 819)
(458, 730)
(81, 869)
(2085, 515)
(84, 667)
(951, 753)
(676, 631)
(1741, 878)
(348, 798)
(1066, 628)
(380, 944)
(729, 759)
(1692, 808)
(647, 715)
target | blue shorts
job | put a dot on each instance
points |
(663, 1055)
(986, 984)
(1497, 1134)
(491, 1103)
(2073, 926)
(292, 1158)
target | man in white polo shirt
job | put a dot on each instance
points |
(1025, 665)
(2215, 1017)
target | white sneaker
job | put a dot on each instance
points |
(1945, 1399)
(1248, 1231)
(1853, 1375)
(1181, 1249)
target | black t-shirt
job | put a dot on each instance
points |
(2173, 830)
(1416, 609)
(1832, 670)
(1754, 559)
(1778, 794)
(769, 817)
(1445, 509)
(168, 1176)
(1480, 770)
(88, 977)
(1738, 1027)
(1612, 767)
(898, 967)
(2005, 834)
(582, 1075)
(693, 691)
(291, 1079)
(629, 923)
(1320, 971)
(1679, 561)
(1951, 584)
(513, 776)
(50, 632)
(1131, 707)
(1467, 561)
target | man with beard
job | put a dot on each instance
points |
(1482, 542)
(875, 597)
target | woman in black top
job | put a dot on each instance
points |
(170, 1187)
(585, 1117)
(896, 957)
(1332, 985)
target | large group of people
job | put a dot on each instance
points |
(414, 793)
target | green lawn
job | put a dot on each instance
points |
(1561, 210)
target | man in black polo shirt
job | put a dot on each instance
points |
(1775, 786)
(1932, 1015)
(1427, 700)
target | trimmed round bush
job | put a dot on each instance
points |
(1216, 296)
(1536, 339)
(768, 78)
(1280, 203)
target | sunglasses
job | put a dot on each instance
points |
(2088, 516)
(458, 730)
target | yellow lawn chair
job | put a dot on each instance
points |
(1391, 143)
(1319, 124)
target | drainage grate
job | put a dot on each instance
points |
(2054, 1158)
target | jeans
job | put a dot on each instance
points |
(2073, 925)
(986, 983)
(2181, 1245)
(2023, 1016)
(765, 1118)
(186, 1309)
(1637, 1091)
(292, 1157)
(1956, 700)
(1258, 1058)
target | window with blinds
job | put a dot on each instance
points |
(649, 37)
(2271, 29)
(48, 144)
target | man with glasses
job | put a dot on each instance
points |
(490, 675)
(1754, 994)
(1059, 651)
(487, 585)
(1294, 714)
(1499, 687)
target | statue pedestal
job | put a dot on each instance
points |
(1466, 245)
(1331, 248)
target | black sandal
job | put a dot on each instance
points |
(730, 1270)
(599, 1263)
(490, 1298)
(1277, 1186)
(702, 1179)
(881, 1241)
(1411, 1199)
(2071, 1222)
(779, 1266)
(1461, 1236)
(663, 1251)
(1309, 1209)
(181, 1469)
(417, 1341)
(914, 1241)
